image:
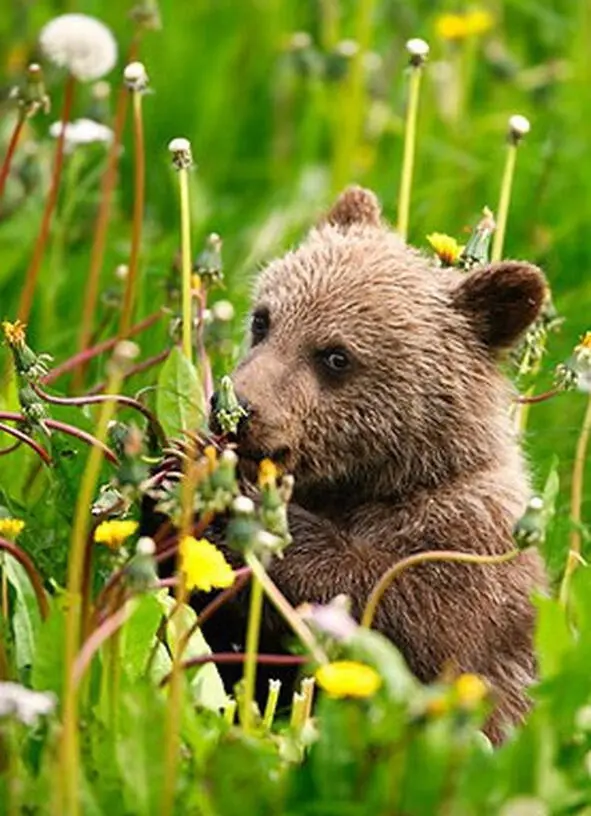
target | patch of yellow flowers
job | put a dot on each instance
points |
(458, 27)
(11, 527)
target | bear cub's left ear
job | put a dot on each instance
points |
(501, 300)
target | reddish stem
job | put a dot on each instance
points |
(101, 228)
(23, 437)
(138, 215)
(239, 657)
(28, 293)
(11, 448)
(100, 348)
(5, 170)
(34, 577)
(91, 646)
(156, 427)
(524, 399)
(144, 365)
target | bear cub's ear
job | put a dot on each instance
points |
(355, 205)
(501, 300)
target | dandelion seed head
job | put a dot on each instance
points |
(135, 76)
(243, 506)
(180, 149)
(81, 44)
(519, 126)
(145, 546)
(223, 311)
(23, 704)
(418, 48)
(81, 132)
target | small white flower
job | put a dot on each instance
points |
(135, 76)
(243, 506)
(180, 149)
(26, 705)
(418, 50)
(82, 132)
(82, 44)
(519, 126)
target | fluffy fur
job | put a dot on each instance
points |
(409, 448)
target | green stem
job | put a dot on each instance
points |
(5, 169)
(408, 157)
(576, 501)
(138, 215)
(253, 632)
(271, 705)
(450, 556)
(183, 174)
(504, 201)
(70, 748)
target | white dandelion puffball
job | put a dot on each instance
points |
(82, 132)
(23, 704)
(519, 125)
(82, 44)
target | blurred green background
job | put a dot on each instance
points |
(261, 87)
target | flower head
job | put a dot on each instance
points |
(446, 248)
(203, 565)
(11, 527)
(333, 619)
(470, 691)
(135, 76)
(180, 150)
(82, 44)
(114, 533)
(14, 333)
(267, 473)
(81, 132)
(347, 678)
(461, 26)
(418, 51)
(24, 704)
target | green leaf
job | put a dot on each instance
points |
(138, 635)
(180, 401)
(26, 619)
(48, 664)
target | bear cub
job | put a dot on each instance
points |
(373, 377)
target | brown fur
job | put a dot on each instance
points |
(410, 450)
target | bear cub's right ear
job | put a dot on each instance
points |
(501, 300)
(355, 206)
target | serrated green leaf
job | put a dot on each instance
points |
(180, 401)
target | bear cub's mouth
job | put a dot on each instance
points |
(280, 455)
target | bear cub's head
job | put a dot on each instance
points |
(372, 371)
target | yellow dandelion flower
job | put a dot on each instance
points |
(211, 455)
(470, 691)
(114, 533)
(203, 565)
(347, 678)
(585, 341)
(14, 332)
(460, 26)
(267, 473)
(11, 527)
(437, 707)
(446, 248)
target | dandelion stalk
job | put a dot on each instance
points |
(253, 631)
(97, 252)
(430, 556)
(136, 80)
(271, 704)
(16, 133)
(69, 746)
(32, 274)
(418, 51)
(576, 502)
(183, 161)
(518, 127)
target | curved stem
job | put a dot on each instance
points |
(576, 501)
(100, 348)
(238, 657)
(28, 292)
(408, 156)
(101, 228)
(139, 368)
(285, 609)
(532, 399)
(450, 556)
(36, 582)
(97, 399)
(11, 448)
(5, 169)
(138, 216)
(94, 642)
(21, 436)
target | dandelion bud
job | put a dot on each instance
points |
(223, 311)
(101, 90)
(121, 272)
(145, 547)
(135, 76)
(124, 353)
(519, 126)
(229, 457)
(418, 51)
(180, 148)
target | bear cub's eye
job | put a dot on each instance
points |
(259, 326)
(334, 360)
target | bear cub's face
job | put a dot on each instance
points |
(372, 370)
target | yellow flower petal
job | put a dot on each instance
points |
(114, 533)
(347, 678)
(267, 473)
(14, 332)
(446, 248)
(203, 565)
(461, 26)
(470, 690)
(11, 527)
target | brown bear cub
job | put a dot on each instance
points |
(373, 378)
